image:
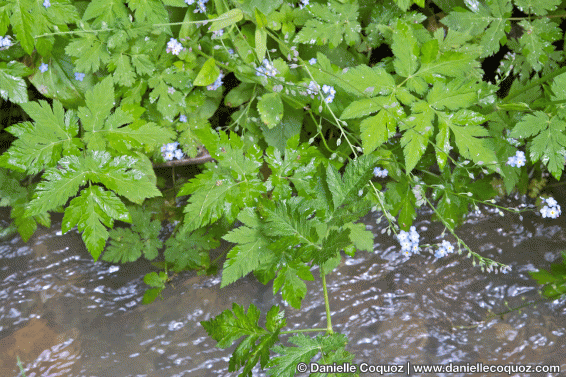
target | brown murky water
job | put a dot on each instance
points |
(65, 315)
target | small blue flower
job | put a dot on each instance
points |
(441, 252)
(409, 241)
(403, 236)
(179, 154)
(173, 47)
(183, 118)
(552, 211)
(312, 61)
(550, 201)
(172, 146)
(448, 247)
(521, 160)
(406, 245)
(217, 84)
(313, 88)
(79, 76)
(415, 248)
(377, 172)
(43, 68)
(168, 156)
(414, 237)
(46, 4)
(6, 41)
(201, 8)
(518, 160)
(267, 69)
(327, 89)
(444, 249)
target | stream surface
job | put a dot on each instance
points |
(63, 314)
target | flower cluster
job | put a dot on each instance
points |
(409, 241)
(444, 249)
(381, 173)
(313, 88)
(43, 67)
(5, 41)
(518, 160)
(551, 209)
(267, 69)
(170, 151)
(217, 84)
(174, 47)
(201, 8)
(326, 89)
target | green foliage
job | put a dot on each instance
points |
(13, 86)
(189, 251)
(127, 244)
(332, 24)
(235, 181)
(156, 280)
(549, 139)
(488, 22)
(537, 41)
(270, 108)
(295, 153)
(332, 348)
(231, 325)
(554, 281)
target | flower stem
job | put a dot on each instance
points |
(329, 330)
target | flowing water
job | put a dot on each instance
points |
(63, 314)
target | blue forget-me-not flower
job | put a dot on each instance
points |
(551, 209)
(381, 173)
(409, 241)
(170, 151)
(518, 160)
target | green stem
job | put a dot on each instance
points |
(329, 330)
(301, 330)
(544, 299)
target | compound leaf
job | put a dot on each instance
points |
(306, 348)
(252, 249)
(118, 174)
(231, 325)
(536, 42)
(328, 25)
(14, 88)
(92, 211)
(41, 144)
